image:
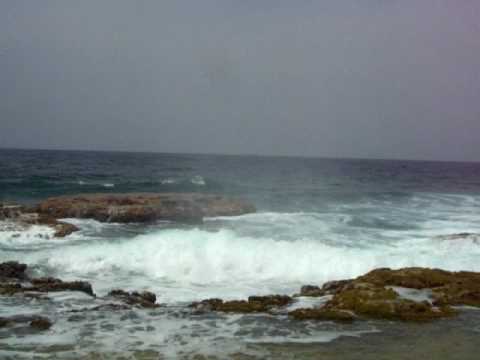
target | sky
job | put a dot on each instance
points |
(395, 79)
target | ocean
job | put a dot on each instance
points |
(317, 220)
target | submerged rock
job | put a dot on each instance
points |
(35, 322)
(41, 323)
(143, 207)
(474, 237)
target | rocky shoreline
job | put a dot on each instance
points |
(123, 208)
(379, 294)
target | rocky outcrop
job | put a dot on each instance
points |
(118, 300)
(254, 304)
(448, 288)
(378, 294)
(123, 208)
(372, 296)
(140, 208)
(50, 284)
(14, 280)
(328, 288)
(25, 217)
(372, 301)
(145, 299)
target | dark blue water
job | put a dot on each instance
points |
(273, 183)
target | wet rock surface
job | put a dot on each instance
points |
(322, 314)
(145, 299)
(254, 304)
(371, 295)
(374, 301)
(15, 280)
(143, 207)
(12, 270)
(50, 284)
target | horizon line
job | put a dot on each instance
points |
(240, 155)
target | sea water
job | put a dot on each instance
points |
(317, 220)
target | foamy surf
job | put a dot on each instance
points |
(185, 264)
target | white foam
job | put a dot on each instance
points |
(168, 181)
(198, 180)
(13, 235)
(309, 302)
(184, 265)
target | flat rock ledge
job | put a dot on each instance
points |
(124, 208)
(143, 207)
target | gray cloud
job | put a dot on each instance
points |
(373, 78)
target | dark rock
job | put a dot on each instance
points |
(255, 304)
(51, 285)
(144, 299)
(41, 323)
(126, 208)
(271, 300)
(207, 305)
(34, 321)
(10, 289)
(322, 314)
(329, 288)
(311, 290)
(13, 270)
(332, 287)
(63, 229)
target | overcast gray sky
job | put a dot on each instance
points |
(341, 78)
